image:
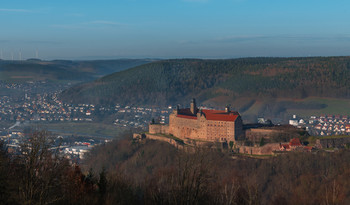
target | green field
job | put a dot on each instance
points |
(83, 129)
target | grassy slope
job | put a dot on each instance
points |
(334, 106)
(331, 106)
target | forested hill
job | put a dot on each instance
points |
(62, 70)
(221, 81)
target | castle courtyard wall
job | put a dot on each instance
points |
(267, 149)
(158, 128)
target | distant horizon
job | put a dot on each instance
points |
(87, 58)
(173, 29)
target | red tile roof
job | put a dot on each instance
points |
(220, 115)
(215, 115)
(295, 142)
(187, 116)
(186, 113)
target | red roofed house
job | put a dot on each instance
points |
(202, 124)
(347, 127)
(292, 145)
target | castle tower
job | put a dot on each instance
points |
(193, 107)
(227, 108)
(177, 110)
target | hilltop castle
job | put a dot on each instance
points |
(194, 126)
(202, 124)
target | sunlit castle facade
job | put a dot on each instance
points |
(202, 124)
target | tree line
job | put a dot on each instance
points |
(152, 172)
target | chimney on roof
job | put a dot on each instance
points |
(227, 109)
(193, 107)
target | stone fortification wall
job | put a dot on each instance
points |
(165, 139)
(264, 150)
(255, 134)
(333, 142)
(263, 131)
(158, 129)
(185, 128)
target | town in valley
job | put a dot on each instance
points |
(19, 113)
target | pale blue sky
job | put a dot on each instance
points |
(77, 29)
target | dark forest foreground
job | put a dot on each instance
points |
(126, 172)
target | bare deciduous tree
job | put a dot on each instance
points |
(41, 170)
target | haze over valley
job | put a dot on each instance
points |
(175, 102)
